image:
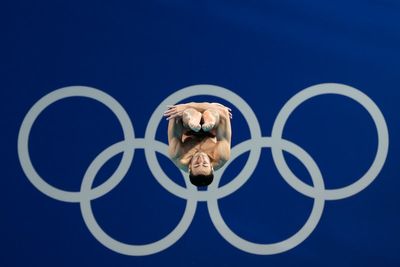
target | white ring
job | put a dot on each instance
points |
(362, 99)
(303, 233)
(98, 232)
(240, 179)
(42, 104)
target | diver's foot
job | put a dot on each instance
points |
(210, 119)
(191, 119)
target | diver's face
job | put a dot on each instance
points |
(200, 164)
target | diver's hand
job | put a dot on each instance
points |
(220, 106)
(175, 111)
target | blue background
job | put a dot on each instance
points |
(140, 52)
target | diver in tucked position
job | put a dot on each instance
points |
(199, 137)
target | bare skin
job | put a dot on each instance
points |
(209, 149)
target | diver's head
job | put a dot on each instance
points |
(201, 170)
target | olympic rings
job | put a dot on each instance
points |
(303, 233)
(97, 231)
(214, 193)
(380, 124)
(33, 114)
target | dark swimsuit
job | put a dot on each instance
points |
(198, 135)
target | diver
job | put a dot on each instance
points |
(199, 137)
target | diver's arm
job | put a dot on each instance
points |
(224, 152)
(175, 130)
(203, 106)
(174, 111)
(224, 131)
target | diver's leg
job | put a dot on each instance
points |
(191, 119)
(210, 119)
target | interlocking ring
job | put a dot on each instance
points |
(214, 192)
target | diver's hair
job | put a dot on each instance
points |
(201, 179)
